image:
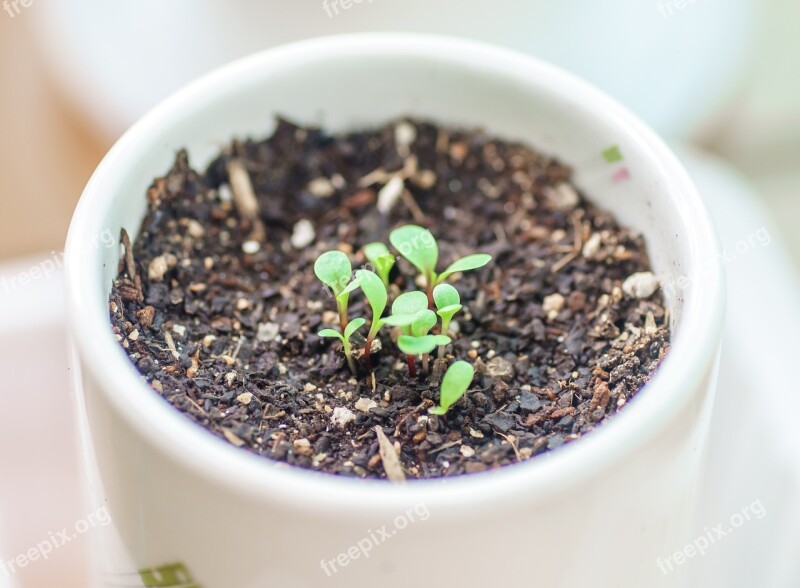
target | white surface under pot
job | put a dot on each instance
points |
(178, 494)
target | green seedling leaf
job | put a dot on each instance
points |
(424, 322)
(410, 303)
(418, 246)
(399, 320)
(353, 326)
(447, 300)
(374, 290)
(449, 311)
(333, 269)
(381, 258)
(345, 293)
(331, 333)
(411, 345)
(470, 262)
(445, 295)
(454, 384)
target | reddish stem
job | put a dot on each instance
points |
(367, 349)
(429, 292)
(412, 368)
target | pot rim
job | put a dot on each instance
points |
(693, 349)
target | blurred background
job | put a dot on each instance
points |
(718, 78)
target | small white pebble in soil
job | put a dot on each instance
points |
(475, 433)
(389, 194)
(337, 181)
(475, 344)
(208, 340)
(303, 234)
(225, 193)
(230, 378)
(321, 187)
(650, 324)
(563, 196)
(195, 229)
(244, 398)
(499, 367)
(425, 179)
(251, 247)
(267, 331)
(404, 135)
(242, 304)
(341, 416)
(467, 451)
(179, 330)
(592, 246)
(640, 285)
(552, 305)
(156, 269)
(309, 387)
(134, 335)
(302, 447)
(364, 404)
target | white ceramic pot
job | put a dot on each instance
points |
(597, 512)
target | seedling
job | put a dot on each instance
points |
(454, 384)
(382, 260)
(423, 323)
(375, 291)
(406, 309)
(419, 247)
(351, 328)
(334, 270)
(414, 345)
(448, 303)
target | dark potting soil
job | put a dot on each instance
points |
(217, 304)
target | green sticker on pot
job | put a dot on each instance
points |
(174, 575)
(612, 154)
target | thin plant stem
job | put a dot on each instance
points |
(445, 330)
(349, 355)
(412, 368)
(342, 306)
(368, 349)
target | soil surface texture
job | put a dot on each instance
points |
(217, 304)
